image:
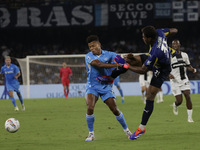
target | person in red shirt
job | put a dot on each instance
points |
(65, 75)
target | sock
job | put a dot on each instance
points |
(161, 96)
(117, 71)
(21, 99)
(121, 93)
(147, 111)
(189, 112)
(13, 101)
(142, 127)
(121, 120)
(90, 122)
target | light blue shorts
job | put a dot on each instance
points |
(117, 82)
(13, 87)
(104, 92)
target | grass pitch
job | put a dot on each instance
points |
(60, 124)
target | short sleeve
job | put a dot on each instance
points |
(89, 58)
(166, 31)
(187, 61)
(16, 69)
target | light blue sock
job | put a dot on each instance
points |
(21, 99)
(121, 120)
(13, 101)
(121, 92)
(90, 122)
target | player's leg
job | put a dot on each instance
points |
(110, 102)
(151, 94)
(117, 84)
(161, 95)
(91, 100)
(176, 91)
(67, 87)
(188, 104)
(178, 102)
(143, 90)
(21, 100)
(13, 100)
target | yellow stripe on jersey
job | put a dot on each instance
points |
(155, 61)
(166, 33)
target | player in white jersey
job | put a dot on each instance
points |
(144, 80)
(179, 80)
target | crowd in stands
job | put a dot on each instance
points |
(73, 41)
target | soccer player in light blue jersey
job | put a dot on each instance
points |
(99, 63)
(12, 73)
(117, 84)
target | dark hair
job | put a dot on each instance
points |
(92, 38)
(149, 32)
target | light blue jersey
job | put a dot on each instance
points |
(12, 84)
(93, 86)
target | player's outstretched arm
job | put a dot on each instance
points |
(100, 64)
(17, 75)
(172, 32)
(133, 60)
(137, 69)
(190, 68)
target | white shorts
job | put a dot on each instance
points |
(177, 88)
(143, 82)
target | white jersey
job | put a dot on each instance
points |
(179, 64)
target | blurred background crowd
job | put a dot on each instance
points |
(19, 42)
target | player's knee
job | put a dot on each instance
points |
(115, 111)
(90, 108)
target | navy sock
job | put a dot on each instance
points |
(117, 71)
(147, 111)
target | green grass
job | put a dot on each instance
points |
(60, 124)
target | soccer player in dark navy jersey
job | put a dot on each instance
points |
(158, 60)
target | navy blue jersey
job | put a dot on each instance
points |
(160, 53)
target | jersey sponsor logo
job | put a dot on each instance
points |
(7, 72)
(88, 58)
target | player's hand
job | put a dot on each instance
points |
(171, 76)
(119, 60)
(16, 77)
(194, 70)
(129, 58)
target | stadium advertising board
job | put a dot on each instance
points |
(185, 11)
(131, 14)
(47, 16)
(78, 90)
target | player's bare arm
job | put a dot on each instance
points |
(100, 64)
(172, 32)
(140, 70)
(17, 75)
(171, 76)
(133, 60)
(190, 68)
